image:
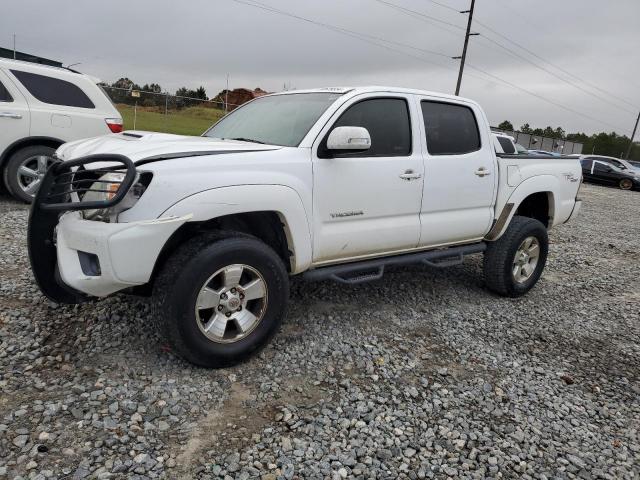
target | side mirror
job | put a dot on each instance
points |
(349, 138)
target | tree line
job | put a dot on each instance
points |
(122, 88)
(603, 143)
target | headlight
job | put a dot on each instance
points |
(106, 187)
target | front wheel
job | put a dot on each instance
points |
(220, 298)
(514, 263)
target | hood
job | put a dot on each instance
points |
(138, 145)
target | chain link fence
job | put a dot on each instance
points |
(538, 142)
(163, 112)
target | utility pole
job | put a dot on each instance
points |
(14, 46)
(632, 137)
(466, 42)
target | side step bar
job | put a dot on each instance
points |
(368, 270)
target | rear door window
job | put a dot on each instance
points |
(5, 96)
(53, 91)
(451, 129)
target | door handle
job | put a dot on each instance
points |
(15, 116)
(482, 172)
(410, 175)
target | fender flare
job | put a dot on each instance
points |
(548, 184)
(284, 200)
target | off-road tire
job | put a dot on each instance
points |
(177, 286)
(10, 175)
(500, 255)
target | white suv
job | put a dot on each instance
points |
(41, 108)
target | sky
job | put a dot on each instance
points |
(198, 42)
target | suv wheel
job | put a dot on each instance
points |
(514, 263)
(220, 298)
(25, 169)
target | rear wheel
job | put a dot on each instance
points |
(514, 263)
(625, 184)
(26, 169)
(220, 298)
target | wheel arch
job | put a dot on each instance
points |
(28, 142)
(278, 219)
(536, 198)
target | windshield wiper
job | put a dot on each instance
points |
(241, 139)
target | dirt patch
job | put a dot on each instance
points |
(233, 425)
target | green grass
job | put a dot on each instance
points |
(188, 121)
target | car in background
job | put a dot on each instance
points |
(42, 107)
(597, 171)
(544, 153)
(616, 162)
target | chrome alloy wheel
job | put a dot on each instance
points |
(31, 172)
(526, 259)
(231, 303)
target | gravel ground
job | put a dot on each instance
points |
(422, 374)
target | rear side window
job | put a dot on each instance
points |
(586, 163)
(53, 90)
(387, 120)
(451, 129)
(507, 145)
(4, 94)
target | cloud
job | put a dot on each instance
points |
(198, 42)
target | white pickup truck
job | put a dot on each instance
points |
(327, 184)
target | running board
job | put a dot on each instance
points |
(368, 270)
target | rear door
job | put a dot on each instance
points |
(368, 202)
(460, 173)
(605, 172)
(14, 113)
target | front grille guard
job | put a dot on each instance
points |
(61, 190)
(63, 187)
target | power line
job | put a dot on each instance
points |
(416, 14)
(368, 39)
(358, 36)
(419, 14)
(566, 72)
(559, 77)
(448, 7)
(345, 31)
(569, 109)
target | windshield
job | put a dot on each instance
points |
(276, 120)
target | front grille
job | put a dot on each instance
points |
(66, 183)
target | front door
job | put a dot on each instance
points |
(460, 173)
(369, 202)
(14, 113)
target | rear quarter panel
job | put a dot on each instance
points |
(65, 122)
(520, 177)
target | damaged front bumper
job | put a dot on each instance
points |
(99, 258)
(73, 258)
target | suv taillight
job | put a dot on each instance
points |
(114, 124)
